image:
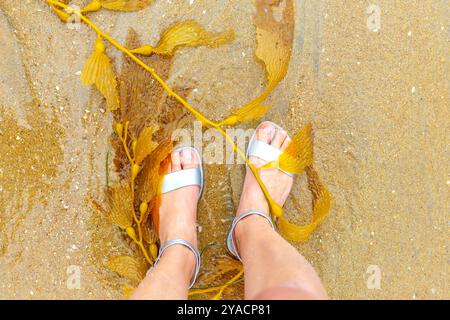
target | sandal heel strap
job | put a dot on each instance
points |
(187, 245)
(230, 238)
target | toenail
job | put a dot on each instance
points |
(187, 155)
(268, 129)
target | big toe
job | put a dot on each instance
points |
(265, 132)
(175, 161)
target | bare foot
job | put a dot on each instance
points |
(178, 214)
(277, 182)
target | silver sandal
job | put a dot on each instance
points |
(174, 181)
(267, 153)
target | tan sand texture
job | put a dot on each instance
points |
(378, 101)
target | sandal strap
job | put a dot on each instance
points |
(184, 178)
(187, 245)
(230, 238)
(264, 151)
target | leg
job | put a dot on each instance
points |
(172, 275)
(273, 268)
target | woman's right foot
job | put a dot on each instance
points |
(278, 183)
(171, 276)
(178, 212)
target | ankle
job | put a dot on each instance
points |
(187, 231)
(251, 227)
(252, 201)
(180, 258)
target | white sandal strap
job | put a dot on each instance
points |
(230, 238)
(180, 179)
(190, 247)
(264, 151)
(184, 178)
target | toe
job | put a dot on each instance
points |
(175, 161)
(265, 132)
(285, 143)
(279, 138)
(189, 159)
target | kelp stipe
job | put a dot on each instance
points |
(64, 16)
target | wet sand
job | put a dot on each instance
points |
(378, 101)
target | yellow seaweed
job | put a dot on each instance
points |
(122, 132)
(98, 70)
(220, 289)
(321, 202)
(248, 112)
(64, 16)
(223, 267)
(145, 144)
(186, 33)
(117, 5)
(297, 158)
(149, 178)
(321, 196)
(274, 46)
(298, 154)
(128, 267)
(119, 209)
(128, 291)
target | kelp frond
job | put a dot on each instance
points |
(117, 5)
(119, 207)
(274, 46)
(144, 144)
(321, 202)
(186, 33)
(127, 267)
(128, 291)
(150, 176)
(99, 71)
(248, 112)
